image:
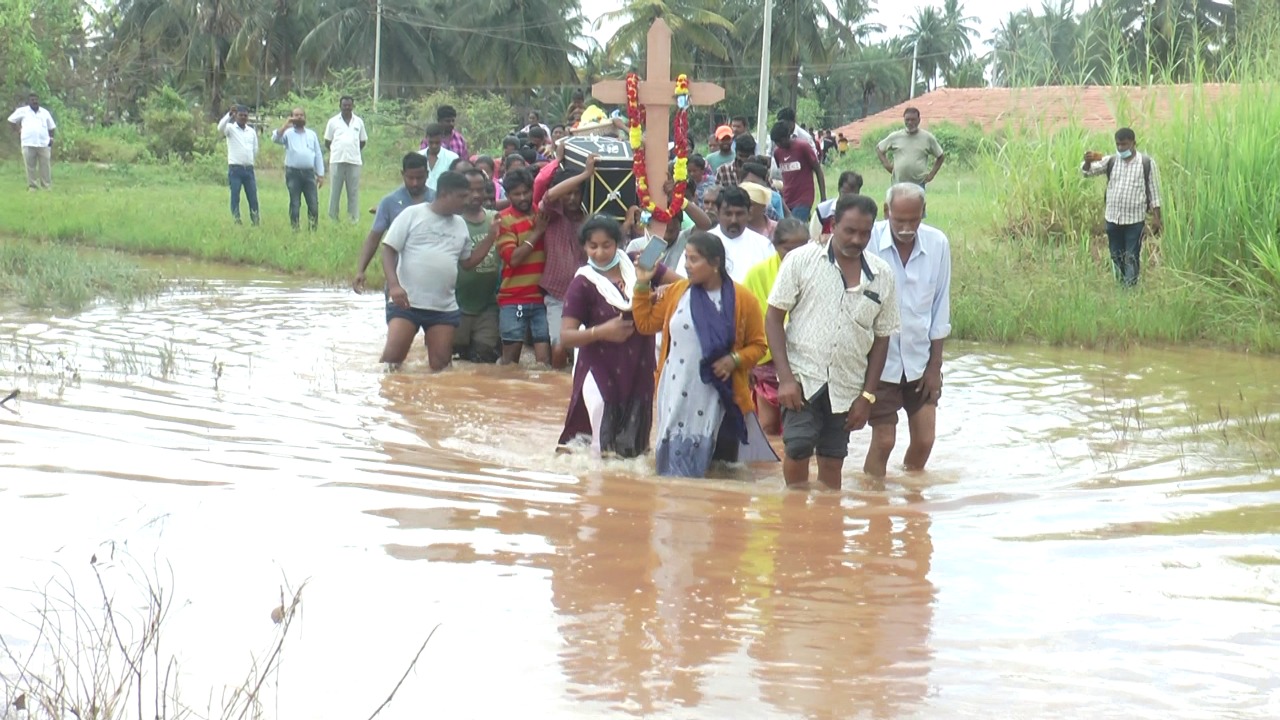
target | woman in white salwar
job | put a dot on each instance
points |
(712, 336)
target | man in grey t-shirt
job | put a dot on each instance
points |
(421, 253)
(913, 150)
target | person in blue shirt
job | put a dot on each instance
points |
(413, 170)
(303, 165)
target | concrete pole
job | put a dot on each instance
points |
(377, 58)
(762, 108)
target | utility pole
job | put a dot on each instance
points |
(915, 55)
(762, 108)
(377, 57)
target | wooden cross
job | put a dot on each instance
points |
(657, 95)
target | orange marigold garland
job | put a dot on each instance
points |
(636, 117)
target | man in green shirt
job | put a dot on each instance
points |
(913, 150)
(476, 339)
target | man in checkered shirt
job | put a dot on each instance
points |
(1133, 190)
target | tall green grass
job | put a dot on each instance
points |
(161, 210)
(45, 276)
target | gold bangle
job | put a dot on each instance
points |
(737, 359)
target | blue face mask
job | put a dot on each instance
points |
(617, 258)
(1125, 154)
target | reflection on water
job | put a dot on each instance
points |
(1097, 535)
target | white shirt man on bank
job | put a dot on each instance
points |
(345, 138)
(35, 128)
(242, 150)
(920, 258)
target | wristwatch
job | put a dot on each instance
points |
(870, 398)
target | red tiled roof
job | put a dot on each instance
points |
(1094, 107)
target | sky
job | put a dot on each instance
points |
(893, 14)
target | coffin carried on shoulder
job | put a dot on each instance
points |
(613, 189)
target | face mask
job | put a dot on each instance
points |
(617, 258)
(1125, 154)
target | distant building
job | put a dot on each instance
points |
(1094, 107)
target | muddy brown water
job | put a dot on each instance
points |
(1097, 535)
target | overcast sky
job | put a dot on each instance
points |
(893, 14)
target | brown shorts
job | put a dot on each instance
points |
(892, 397)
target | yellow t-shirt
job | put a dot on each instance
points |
(759, 280)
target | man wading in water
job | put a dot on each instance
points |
(920, 259)
(413, 170)
(421, 253)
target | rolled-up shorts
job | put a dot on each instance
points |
(765, 385)
(892, 397)
(514, 321)
(555, 314)
(815, 429)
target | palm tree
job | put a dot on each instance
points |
(967, 72)
(807, 36)
(693, 31)
(959, 29)
(928, 40)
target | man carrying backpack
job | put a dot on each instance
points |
(1133, 190)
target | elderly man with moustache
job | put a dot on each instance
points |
(920, 258)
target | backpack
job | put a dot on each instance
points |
(1146, 175)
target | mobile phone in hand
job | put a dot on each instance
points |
(652, 252)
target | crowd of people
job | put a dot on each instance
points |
(768, 310)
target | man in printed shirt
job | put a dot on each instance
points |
(920, 259)
(1133, 190)
(730, 174)
(303, 165)
(344, 138)
(242, 150)
(521, 312)
(831, 312)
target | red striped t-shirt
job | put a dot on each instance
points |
(519, 282)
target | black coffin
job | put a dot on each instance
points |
(613, 189)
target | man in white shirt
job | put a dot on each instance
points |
(35, 128)
(920, 259)
(744, 248)
(242, 150)
(344, 138)
(439, 158)
(421, 254)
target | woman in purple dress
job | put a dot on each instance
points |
(613, 378)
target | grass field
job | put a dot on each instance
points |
(1005, 289)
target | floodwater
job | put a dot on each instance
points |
(1098, 534)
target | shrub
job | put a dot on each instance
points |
(172, 128)
(484, 119)
(113, 144)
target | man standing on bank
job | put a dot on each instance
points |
(242, 150)
(1133, 190)
(344, 138)
(35, 128)
(829, 353)
(913, 149)
(303, 165)
(920, 258)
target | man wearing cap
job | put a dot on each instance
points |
(724, 141)
(760, 196)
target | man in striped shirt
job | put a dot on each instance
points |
(521, 312)
(1133, 190)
